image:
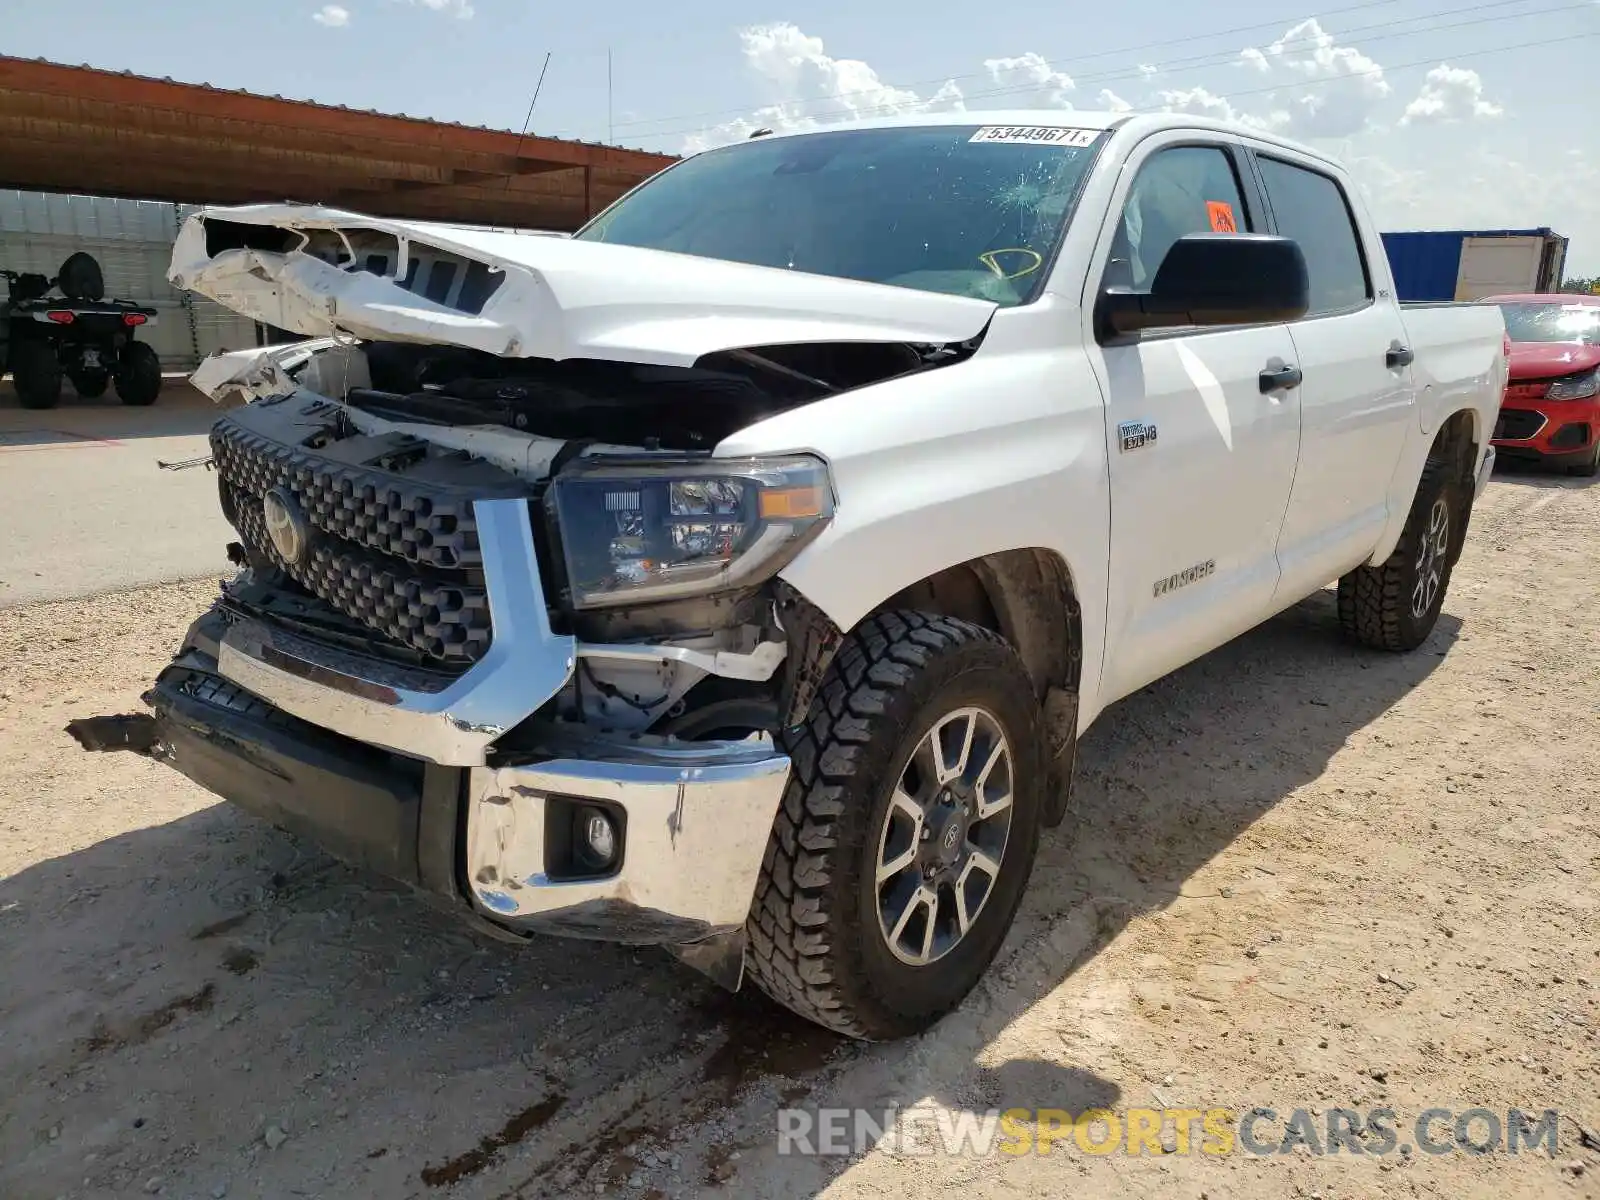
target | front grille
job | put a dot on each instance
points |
(1515, 424)
(445, 618)
(394, 541)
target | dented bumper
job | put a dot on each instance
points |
(493, 841)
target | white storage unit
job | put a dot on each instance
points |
(132, 239)
(1499, 266)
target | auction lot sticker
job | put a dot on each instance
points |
(1036, 135)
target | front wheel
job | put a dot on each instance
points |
(907, 831)
(1395, 606)
(138, 375)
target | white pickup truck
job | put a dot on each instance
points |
(738, 575)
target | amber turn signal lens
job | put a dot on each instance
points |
(782, 504)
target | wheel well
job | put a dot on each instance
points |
(1028, 598)
(1457, 441)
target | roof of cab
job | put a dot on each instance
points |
(1142, 124)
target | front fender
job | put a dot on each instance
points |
(1006, 451)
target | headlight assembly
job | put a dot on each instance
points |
(641, 530)
(1575, 387)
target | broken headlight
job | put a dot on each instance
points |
(636, 530)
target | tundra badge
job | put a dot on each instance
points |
(1136, 435)
(1184, 578)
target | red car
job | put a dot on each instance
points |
(1551, 409)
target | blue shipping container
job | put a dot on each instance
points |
(1427, 265)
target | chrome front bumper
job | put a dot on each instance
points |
(695, 819)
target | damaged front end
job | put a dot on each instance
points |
(506, 627)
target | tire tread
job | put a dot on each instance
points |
(1374, 602)
(791, 942)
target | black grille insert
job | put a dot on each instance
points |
(1514, 424)
(394, 540)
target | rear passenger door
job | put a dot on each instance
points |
(1203, 425)
(1356, 394)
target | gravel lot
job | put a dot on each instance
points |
(1307, 876)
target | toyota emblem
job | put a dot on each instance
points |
(286, 525)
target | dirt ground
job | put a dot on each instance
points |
(1305, 876)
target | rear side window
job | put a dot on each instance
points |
(1311, 208)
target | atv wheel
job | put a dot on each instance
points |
(139, 375)
(91, 385)
(1395, 606)
(907, 831)
(36, 373)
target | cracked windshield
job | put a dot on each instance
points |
(958, 209)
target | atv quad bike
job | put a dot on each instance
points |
(82, 335)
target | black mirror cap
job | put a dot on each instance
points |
(1217, 279)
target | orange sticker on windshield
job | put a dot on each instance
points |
(1221, 215)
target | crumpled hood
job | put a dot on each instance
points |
(1542, 360)
(553, 297)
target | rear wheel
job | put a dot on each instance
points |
(907, 831)
(36, 372)
(139, 375)
(91, 385)
(1394, 606)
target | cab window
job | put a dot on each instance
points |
(1311, 208)
(1178, 191)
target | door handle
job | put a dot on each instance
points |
(1400, 356)
(1278, 379)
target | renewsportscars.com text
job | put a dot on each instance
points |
(1258, 1131)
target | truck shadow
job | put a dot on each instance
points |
(156, 978)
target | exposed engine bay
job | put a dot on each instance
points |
(379, 451)
(591, 400)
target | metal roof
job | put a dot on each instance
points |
(82, 130)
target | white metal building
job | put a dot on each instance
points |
(132, 239)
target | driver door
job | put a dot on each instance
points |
(1203, 427)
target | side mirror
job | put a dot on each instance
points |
(1215, 279)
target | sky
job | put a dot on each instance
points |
(1451, 114)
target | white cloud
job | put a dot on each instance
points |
(1336, 90)
(814, 88)
(1111, 102)
(1441, 179)
(331, 15)
(1200, 102)
(457, 8)
(1148, 70)
(1030, 82)
(1450, 94)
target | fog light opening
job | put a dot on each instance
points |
(597, 839)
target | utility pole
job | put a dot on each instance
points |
(611, 129)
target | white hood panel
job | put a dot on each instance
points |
(559, 298)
